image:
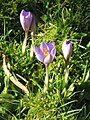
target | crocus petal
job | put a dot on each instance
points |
(51, 45)
(53, 52)
(25, 19)
(44, 46)
(48, 59)
(39, 54)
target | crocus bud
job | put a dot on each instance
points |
(26, 20)
(67, 49)
(33, 25)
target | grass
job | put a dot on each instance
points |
(57, 21)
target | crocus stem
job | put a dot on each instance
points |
(24, 42)
(46, 80)
(66, 73)
(32, 45)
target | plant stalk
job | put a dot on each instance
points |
(32, 45)
(24, 42)
(66, 75)
(66, 71)
(46, 80)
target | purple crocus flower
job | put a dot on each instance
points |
(26, 19)
(67, 49)
(45, 52)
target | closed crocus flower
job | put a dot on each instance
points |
(45, 52)
(67, 49)
(26, 19)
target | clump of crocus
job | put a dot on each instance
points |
(67, 49)
(45, 53)
(27, 20)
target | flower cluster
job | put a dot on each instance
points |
(46, 52)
